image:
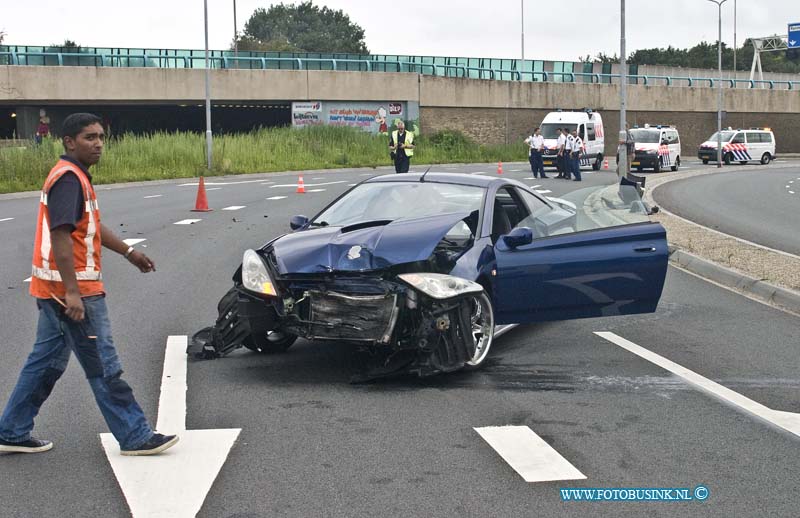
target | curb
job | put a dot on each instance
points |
(783, 298)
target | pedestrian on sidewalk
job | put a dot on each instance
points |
(68, 286)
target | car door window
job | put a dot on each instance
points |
(590, 134)
(738, 139)
(767, 137)
(753, 137)
(508, 211)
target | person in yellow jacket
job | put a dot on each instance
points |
(401, 148)
(67, 283)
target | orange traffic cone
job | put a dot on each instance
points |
(201, 204)
(499, 167)
(301, 187)
(605, 163)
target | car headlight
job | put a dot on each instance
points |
(255, 276)
(440, 286)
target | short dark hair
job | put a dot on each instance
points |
(75, 123)
(536, 128)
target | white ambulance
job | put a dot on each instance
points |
(656, 147)
(589, 125)
(740, 146)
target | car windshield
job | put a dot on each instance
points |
(549, 130)
(645, 136)
(395, 200)
(726, 136)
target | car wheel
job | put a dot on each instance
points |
(705, 161)
(765, 158)
(677, 163)
(597, 163)
(743, 162)
(728, 159)
(270, 342)
(657, 166)
(482, 330)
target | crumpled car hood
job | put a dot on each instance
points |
(327, 249)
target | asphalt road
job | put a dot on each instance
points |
(760, 205)
(313, 445)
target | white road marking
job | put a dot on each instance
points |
(367, 174)
(351, 184)
(789, 421)
(791, 192)
(517, 170)
(187, 221)
(479, 172)
(132, 241)
(175, 483)
(319, 178)
(28, 279)
(535, 186)
(315, 190)
(529, 454)
(6, 219)
(276, 197)
(529, 178)
(791, 181)
(544, 191)
(195, 184)
(153, 196)
(235, 207)
(788, 186)
(266, 183)
(306, 184)
(214, 189)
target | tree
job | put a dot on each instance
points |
(302, 28)
(2, 36)
(704, 55)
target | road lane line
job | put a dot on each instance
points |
(235, 207)
(306, 185)
(28, 279)
(187, 222)
(529, 454)
(787, 420)
(153, 196)
(195, 184)
(544, 191)
(318, 178)
(133, 241)
(276, 197)
(214, 189)
(315, 190)
(791, 192)
(6, 219)
(535, 186)
(351, 184)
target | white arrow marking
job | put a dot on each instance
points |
(175, 483)
(529, 454)
(187, 221)
(132, 241)
(789, 421)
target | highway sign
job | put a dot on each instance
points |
(793, 41)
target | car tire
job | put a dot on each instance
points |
(766, 158)
(743, 162)
(705, 161)
(482, 325)
(728, 158)
(597, 163)
(270, 342)
(677, 163)
(657, 166)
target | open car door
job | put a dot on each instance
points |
(610, 260)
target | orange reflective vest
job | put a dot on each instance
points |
(45, 277)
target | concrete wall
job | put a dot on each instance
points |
(490, 111)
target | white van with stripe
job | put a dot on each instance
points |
(656, 147)
(740, 145)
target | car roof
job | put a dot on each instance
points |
(477, 180)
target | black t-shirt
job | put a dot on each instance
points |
(401, 139)
(65, 203)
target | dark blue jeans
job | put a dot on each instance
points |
(576, 165)
(537, 164)
(56, 337)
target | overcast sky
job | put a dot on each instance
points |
(554, 30)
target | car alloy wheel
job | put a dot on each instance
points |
(765, 158)
(482, 320)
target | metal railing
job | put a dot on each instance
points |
(366, 63)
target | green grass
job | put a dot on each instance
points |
(180, 155)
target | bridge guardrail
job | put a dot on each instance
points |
(159, 60)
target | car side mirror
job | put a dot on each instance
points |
(518, 237)
(298, 222)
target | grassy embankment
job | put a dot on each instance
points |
(179, 155)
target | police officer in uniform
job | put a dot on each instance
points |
(401, 147)
(577, 150)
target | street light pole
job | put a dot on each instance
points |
(522, 33)
(719, 82)
(734, 39)
(622, 149)
(235, 32)
(208, 92)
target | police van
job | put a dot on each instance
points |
(589, 125)
(740, 146)
(656, 147)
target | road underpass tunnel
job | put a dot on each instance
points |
(226, 117)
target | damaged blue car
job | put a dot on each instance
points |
(424, 270)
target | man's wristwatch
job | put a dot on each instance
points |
(128, 252)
